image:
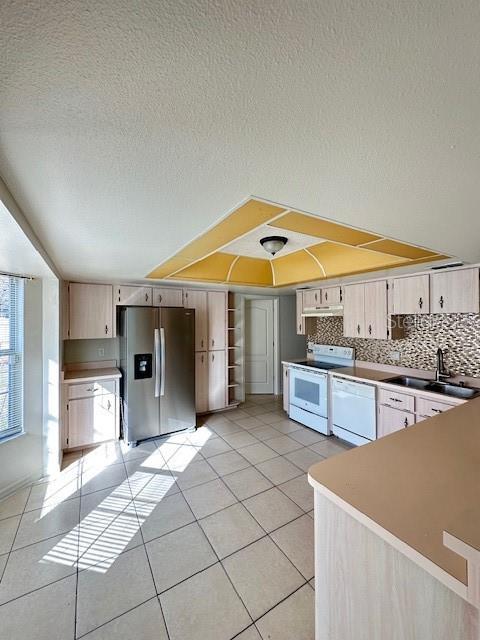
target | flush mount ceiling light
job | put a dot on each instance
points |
(273, 244)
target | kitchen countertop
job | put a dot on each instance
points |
(415, 484)
(87, 375)
(362, 373)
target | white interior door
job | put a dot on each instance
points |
(259, 346)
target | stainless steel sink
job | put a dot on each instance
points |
(407, 381)
(454, 390)
(445, 388)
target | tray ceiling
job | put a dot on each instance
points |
(230, 251)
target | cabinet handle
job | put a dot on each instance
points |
(341, 295)
(106, 329)
(299, 327)
(394, 399)
(370, 329)
(358, 328)
(213, 342)
(159, 297)
(213, 357)
(316, 297)
(436, 410)
(201, 359)
(420, 302)
(441, 302)
(146, 297)
(92, 389)
(406, 422)
(109, 404)
(326, 295)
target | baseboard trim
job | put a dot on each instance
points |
(19, 484)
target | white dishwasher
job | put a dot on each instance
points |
(353, 411)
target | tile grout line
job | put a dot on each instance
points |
(15, 535)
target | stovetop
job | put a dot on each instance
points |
(316, 364)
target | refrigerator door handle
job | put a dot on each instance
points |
(162, 347)
(156, 340)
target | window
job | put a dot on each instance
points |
(11, 356)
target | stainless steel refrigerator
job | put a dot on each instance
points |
(157, 359)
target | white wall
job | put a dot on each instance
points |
(21, 459)
(292, 346)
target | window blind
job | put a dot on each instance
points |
(11, 356)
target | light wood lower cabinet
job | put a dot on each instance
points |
(286, 387)
(391, 420)
(217, 380)
(91, 414)
(201, 382)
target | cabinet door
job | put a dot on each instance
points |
(90, 310)
(411, 295)
(197, 300)
(217, 319)
(455, 291)
(135, 296)
(376, 320)
(201, 382)
(391, 420)
(286, 387)
(354, 311)
(217, 380)
(167, 297)
(312, 298)
(91, 420)
(331, 295)
(300, 319)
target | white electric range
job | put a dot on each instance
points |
(309, 392)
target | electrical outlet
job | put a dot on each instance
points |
(101, 352)
(395, 355)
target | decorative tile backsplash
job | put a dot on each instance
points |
(458, 334)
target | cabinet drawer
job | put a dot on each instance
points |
(396, 400)
(90, 389)
(427, 407)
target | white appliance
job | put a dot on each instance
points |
(354, 411)
(308, 400)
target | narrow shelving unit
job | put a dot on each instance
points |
(235, 381)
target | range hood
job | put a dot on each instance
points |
(323, 312)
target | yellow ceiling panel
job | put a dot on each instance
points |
(252, 271)
(213, 268)
(296, 267)
(319, 228)
(339, 260)
(168, 267)
(247, 217)
(394, 248)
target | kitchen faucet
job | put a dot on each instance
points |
(440, 372)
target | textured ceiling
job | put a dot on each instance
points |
(126, 129)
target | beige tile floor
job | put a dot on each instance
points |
(203, 536)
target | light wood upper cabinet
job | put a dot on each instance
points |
(195, 299)
(312, 298)
(411, 295)
(217, 319)
(455, 291)
(134, 296)
(201, 382)
(300, 318)
(90, 311)
(365, 310)
(217, 380)
(391, 420)
(354, 311)
(331, 296)
(376, 321)
(167, 297)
